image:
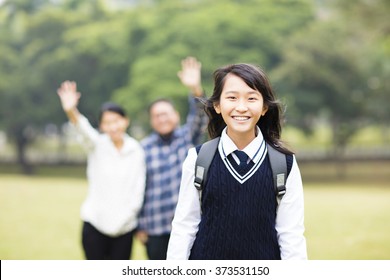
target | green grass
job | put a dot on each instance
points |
(347, 219)
(40, 218)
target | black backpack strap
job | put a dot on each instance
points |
(279, 171)
(203, 161)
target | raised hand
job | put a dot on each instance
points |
(190, 75)
(68, 95)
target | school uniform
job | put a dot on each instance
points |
(239, 218)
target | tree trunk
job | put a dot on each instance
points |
(340, 161)
(338, 153)
(21, 145)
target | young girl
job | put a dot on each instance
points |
(116, 178)
(238, 217)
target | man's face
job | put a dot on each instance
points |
(164, 118)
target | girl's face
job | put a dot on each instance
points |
(114, 125)
(241, 108)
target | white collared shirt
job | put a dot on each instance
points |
(290, 213)
(256, 152)
(116, 181)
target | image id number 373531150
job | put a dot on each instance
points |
(242, 270)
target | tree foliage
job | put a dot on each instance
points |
(331, 72)
(40, 48)
(131, 55)
(369, 24)
(216, 32)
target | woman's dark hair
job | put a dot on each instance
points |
(111, 107)
(270, 124)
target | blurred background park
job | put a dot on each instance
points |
(328, 60)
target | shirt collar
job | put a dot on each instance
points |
(254, 149)
(168, 138)
(127, 147)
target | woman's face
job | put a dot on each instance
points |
(114, 125)
(241, 108)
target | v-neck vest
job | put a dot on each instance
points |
(238, 218)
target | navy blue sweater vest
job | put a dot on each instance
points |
(238, 220)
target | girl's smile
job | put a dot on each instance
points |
(241, 108)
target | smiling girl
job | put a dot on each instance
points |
(238, 216)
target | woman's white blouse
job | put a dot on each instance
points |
(116, 181)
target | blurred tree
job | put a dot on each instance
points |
(134, 52)
(368, 22)
(43, 48)
(132, 55)
(18, 101)
(216, 32)
(330, 72)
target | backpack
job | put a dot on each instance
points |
(206, 155)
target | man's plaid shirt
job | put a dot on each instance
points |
(164, 159)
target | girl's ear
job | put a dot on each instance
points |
(217, 108)
(265, 109)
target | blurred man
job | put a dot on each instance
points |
(165, 150)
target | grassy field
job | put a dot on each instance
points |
(40, 218)
(345, 220)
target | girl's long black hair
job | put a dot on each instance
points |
(270, 124)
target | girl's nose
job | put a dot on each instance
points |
(242, 106)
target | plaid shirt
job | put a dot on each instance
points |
(164, 159)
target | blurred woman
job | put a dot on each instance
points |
(116, 178)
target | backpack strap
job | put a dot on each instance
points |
(203, 161)
(279, 171)
(276, 158)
